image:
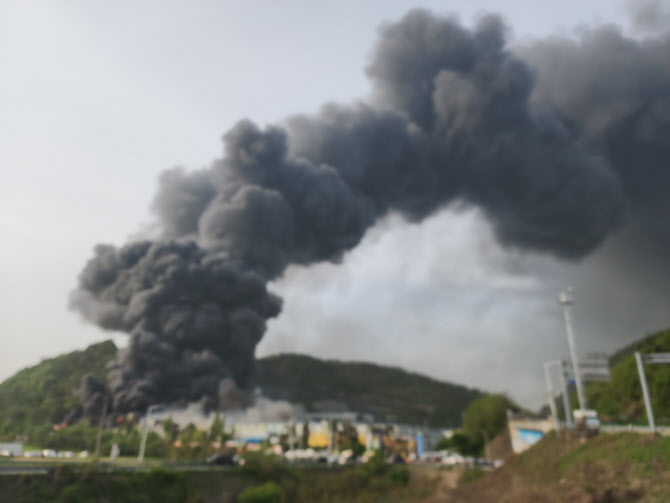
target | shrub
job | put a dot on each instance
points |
(375, 466)
(266, 467)
(267, 493)
(399, 474)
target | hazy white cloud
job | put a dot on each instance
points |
(443, 298)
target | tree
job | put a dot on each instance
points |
(358, 449)
(347, 435)
(461, 443)
(217, 427)
(305, 435)
(485, 418)
(171, 429)
(192, 434)
(488, 415)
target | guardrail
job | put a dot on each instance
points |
(622, 428)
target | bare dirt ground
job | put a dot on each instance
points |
(446, 481)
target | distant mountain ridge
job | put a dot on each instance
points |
(44, 393)
(388, 393)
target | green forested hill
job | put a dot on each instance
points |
(658, 342)
(388, 393)
(620, 399)
(44, 393)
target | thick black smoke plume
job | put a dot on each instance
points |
(455, 117)
(195, 319)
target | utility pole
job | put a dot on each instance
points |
(550, 393)
(98, 437)
(565, 299)
(566, 398)
(291, 436)
(564, 389)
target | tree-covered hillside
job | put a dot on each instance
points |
(388, 393)
(44, 393)
(620, 399)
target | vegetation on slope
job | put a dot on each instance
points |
(608, 468)
(43, 394)
(620, 399)
(262, 480)
(388, 393)
(65, 484)
(656, 342)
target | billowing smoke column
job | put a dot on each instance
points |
(195, 319)
(455, 117)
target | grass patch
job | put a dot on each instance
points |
(267, 493)
(471, 474)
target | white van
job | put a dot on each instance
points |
(587, 418)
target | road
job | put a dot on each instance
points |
(28, 467)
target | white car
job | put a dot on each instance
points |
(453, 460)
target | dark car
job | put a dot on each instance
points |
(219, 459)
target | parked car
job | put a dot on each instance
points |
(218, 459)
(453, 460)
(484, 463)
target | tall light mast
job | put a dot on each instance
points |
(565, 299)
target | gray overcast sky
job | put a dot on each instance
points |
(97, 98)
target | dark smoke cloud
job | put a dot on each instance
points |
(650, 16)
(553, 152)
(621, 108)
(194, 319)
(540, 187)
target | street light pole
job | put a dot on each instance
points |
(565, 299)
(145, 432)
(98, 437)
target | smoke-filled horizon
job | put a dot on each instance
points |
(559, 144)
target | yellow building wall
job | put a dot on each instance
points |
(318, 440)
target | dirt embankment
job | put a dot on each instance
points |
(606, 469)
